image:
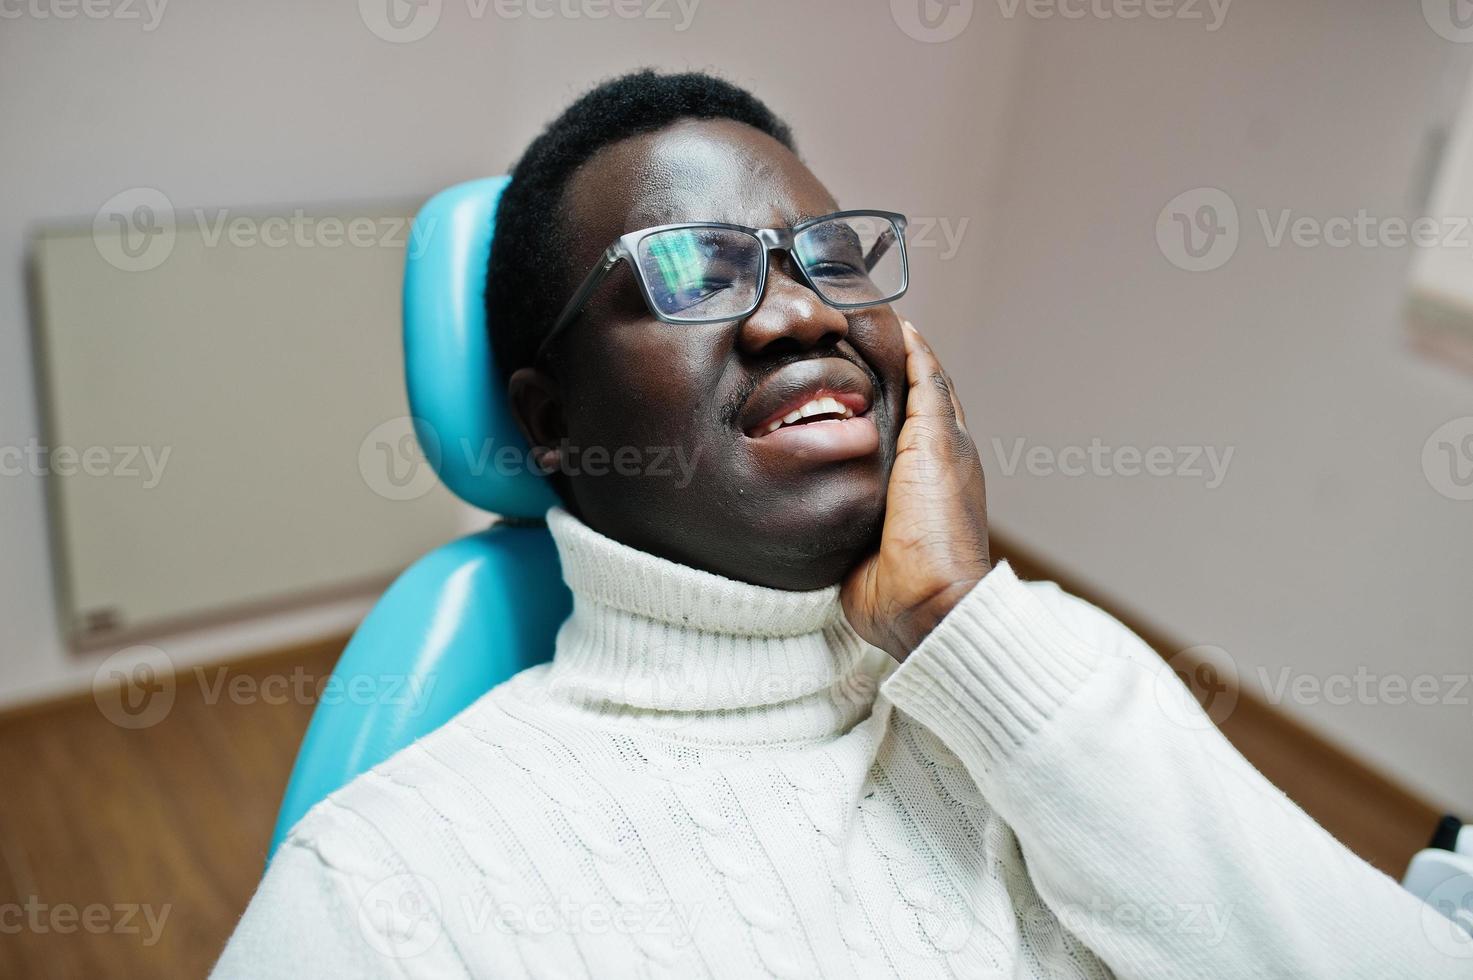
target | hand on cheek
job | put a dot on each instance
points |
(933, 548)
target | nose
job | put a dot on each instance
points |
(790, 316)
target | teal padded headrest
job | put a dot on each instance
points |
(461, 414)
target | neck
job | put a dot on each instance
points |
(705, 657)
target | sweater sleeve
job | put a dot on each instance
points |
(1145, 832)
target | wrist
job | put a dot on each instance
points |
(921, 619)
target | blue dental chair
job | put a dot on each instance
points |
(472, 613)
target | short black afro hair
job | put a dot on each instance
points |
(527, 279)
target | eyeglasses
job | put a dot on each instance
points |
(709, 272)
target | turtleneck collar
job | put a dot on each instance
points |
(706, 657)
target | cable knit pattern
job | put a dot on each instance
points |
(713, 779)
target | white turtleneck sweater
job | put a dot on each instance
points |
(717, 779)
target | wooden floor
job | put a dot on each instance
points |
(165, 826)
(163, 830)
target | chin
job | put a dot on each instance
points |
(791, 535)
(814, 537)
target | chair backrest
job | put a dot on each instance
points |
(472, 613)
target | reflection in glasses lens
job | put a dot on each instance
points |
(701, 273)
(854, 260)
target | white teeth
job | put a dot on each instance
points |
(816, 406)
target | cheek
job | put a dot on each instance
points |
(884, 349)
(892, 363)
(641, 384)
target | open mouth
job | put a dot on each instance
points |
(810, 412)
(824, 389)
(815, 411)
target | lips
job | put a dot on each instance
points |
(811, 414)
(817, 391)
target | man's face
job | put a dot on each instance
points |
(790, 509)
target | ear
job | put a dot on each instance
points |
(536, 402)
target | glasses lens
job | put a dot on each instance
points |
(856, 260)
(700, 274)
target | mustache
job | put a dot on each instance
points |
(732, 408)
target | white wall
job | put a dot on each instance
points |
(269, 103)
(1326, 548)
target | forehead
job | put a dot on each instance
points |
(693, 170)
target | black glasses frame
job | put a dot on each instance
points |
(627, 247)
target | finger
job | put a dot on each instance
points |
(931, 390)
(956, 402)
